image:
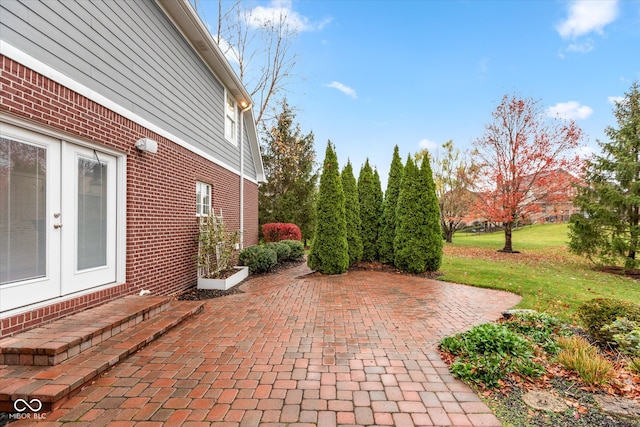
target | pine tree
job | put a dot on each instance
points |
(608, 227)
(329, 251)
(352, 214)
(369, 211)
(433, 228)
(289, 162)
(388, 220)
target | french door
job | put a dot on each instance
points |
(57, 218)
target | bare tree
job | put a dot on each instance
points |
(259, 46)
(454, 174)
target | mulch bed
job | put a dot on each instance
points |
(582, 411)
(386, 268)
(633, 273)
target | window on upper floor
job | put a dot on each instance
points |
(203, 199)
(230, 118)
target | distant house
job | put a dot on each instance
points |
(543, 205)
(558, 205)
(121, 122)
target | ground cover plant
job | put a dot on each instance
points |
(528, 352)
(572, 293)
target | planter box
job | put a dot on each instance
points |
(224, 284)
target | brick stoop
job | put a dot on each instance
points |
(57, 341)
(54, 384)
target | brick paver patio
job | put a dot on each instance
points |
(355, 349)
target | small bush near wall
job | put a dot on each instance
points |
(258, 258)
(277, 231)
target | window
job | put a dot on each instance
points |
(230, 118)
(203, 199)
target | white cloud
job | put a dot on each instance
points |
(569, 110)
(428, 144)
(614, 99)
(278, 9)
(229, 51)
(585, 47)
(586, 16)
(343, 88)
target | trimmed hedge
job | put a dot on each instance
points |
(258, 258)
(283, 251)
(277, 231)
(296, 249)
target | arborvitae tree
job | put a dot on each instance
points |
(352, 214)
(433, 229)
(608, 228)
(388, 221)
(369, 212)
(379, 198)
(289, 162)
(329, 250)
(418, 241)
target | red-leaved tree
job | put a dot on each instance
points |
(525, 162)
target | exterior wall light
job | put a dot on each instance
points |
(148, 145)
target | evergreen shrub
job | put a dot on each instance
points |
(352, 214)
(282, 250)
(329, 250)
(258, 258)
(296, 249)
(599, 312)
(369, 196)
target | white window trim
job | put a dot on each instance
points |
(199, 186)
(233, 138)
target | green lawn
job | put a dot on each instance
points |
(547, 277)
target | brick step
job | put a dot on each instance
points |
(53, 385)
(54, 343)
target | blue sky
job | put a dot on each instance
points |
(372, 74)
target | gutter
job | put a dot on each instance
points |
(242, 111)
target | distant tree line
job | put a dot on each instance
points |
(521, 163)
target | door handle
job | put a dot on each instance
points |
(57, 225)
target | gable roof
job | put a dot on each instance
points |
(187, 21)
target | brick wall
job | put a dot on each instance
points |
(251, 226)
(161, 221)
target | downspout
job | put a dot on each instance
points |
(244, 110)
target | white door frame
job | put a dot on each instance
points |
(30, 300)
(26, 292)
(74, 277)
